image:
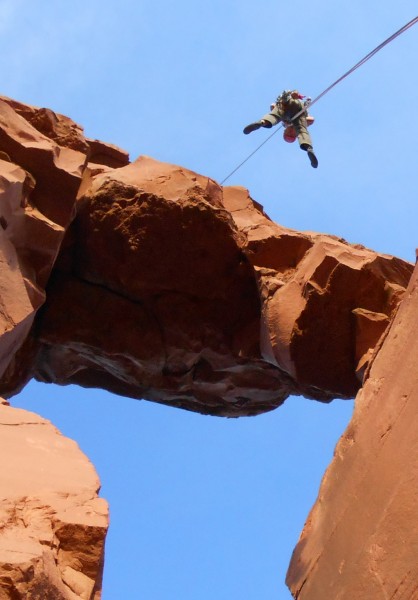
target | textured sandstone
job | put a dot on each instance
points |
(219, 309)
(39, 181)
(52, 523)
(361, 538)
(324, 303)
(155, 282)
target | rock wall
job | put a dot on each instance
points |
(170, 288)
(38, 184)
(361, 538)
(154, 282)
(52, 523)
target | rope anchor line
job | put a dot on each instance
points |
(356, 66)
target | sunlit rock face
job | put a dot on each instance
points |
(170, 288)
(52, 524)
(154, 282)
(360, 540)
(38, 186)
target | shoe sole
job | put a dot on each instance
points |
(313, 159)
(252, 127)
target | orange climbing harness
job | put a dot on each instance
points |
(307, 106)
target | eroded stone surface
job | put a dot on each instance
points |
(39, 181)
(313, 289)
(361, 538)
(155, 282)
(52, 523)
(218, 309)
(172, 265)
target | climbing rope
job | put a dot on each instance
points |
(356, 66)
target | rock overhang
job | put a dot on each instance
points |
(169, 287)
(154, 282)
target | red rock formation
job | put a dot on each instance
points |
(39, 181)
(153, 282)
(324, 303)
(224, 312)
(52, 524)
(360, 540)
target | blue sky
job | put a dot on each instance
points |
(201, 507)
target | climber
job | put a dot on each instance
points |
(286, 107)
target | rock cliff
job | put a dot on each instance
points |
(52, 524)
(360, 540)
(154, 282)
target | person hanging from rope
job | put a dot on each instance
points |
(289, 109)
